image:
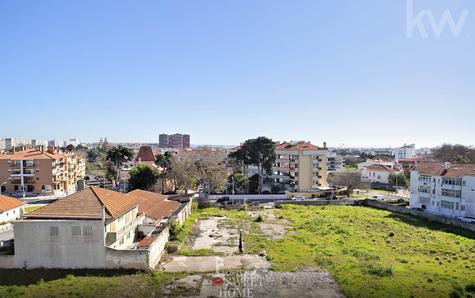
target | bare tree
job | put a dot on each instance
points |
(212, 169)
(183, 171)
(348, 179)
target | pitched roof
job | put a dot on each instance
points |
(87, 204)
(439, 169)
(154, 205)
(299, 145)
(7, 203)
(32, 154)
(145, 154)
(380, 168)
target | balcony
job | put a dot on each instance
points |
(451, 187)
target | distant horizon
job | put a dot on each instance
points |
(329, 145)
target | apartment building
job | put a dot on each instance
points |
(95, 228)
(443, 188)
(32, 172)
(177, 141)
(405, 152)
(335, 162)
(300, 166)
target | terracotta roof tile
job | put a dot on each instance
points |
(438, 169)
(299, 145)
(380, 168)
(32, 154)
(154, 205)
(145, 154)
(7, 203)
(87, 204)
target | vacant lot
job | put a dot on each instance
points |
(370, 253)
(374, 253)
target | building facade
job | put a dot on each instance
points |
(335, 162)
(377, 173)
(32, 172)
(177, 141)
(95, 228)
(405, 152)
(443, 188)
(300, 166)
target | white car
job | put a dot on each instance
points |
(467, 219)
(299, 198)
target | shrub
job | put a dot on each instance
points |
(171, 248)
(470, 288)
(380, 270)
(175, 229)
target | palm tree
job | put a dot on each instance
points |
(164, 162)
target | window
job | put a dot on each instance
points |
(447, 204)
(76, 231)
(53, 231)
(451, 193)
(452, 181)
(87, 231)
(424, 189)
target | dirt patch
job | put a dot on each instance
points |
(217, 234)
(214, 263)
(270, 284)
(271, 226)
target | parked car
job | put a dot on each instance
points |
(467, 219)
(298, 198)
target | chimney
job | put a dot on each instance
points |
(324, 145)
(50, 149)
(446, 165)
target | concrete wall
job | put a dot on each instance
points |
(157, 248)
(36, 247)
(271, 197)
(7, 261)
(316, 202)
(11, 214)
(126, 259)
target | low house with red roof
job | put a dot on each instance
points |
(95, 228)
(443, 188)
(377, 173)
(10, 209)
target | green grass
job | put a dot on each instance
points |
(199, 252)
(31, 208)
(372, 253)
(135, 285)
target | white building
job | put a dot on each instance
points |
(10, 209)
(95, 228)
(404, 152)
(377, 173)
(443, 188)
(335, 162)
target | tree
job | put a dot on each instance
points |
(237, 182)
(212, 171)
(348, 179)
(164, 161)
(454, 153)
(119, 155)
(183, 171)
(259, 152)
(142, 176)
(398, 180)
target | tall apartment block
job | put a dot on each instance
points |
(177, 141)
(32, 172)
(300, 166)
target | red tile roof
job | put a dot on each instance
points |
(380, 168)
(7, 203)
(146, 242)
(32, 154)
(145, 154)
(87, 204)
(438, 169)
(300, 145)
(154, 205)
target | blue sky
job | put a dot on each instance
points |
(339, 71)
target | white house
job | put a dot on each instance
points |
(443, 188)
(377, 173)
(10, 209)
(405, 152)
(95, 228)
